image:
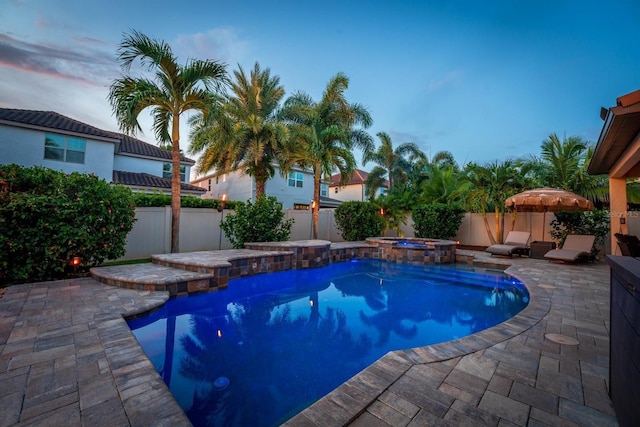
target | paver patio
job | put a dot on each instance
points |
(67, 357)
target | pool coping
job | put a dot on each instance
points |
(349, 400)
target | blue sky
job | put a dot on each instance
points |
(485, 80)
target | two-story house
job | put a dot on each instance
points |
(355, 189)
(295, 191)
(46, 138)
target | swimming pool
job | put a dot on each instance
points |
(270, 345)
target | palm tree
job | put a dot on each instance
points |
(444, 185)
(391, 163)
(444, 159)
(245, 133)
(174, 90)
(323, 135)
(490, 185)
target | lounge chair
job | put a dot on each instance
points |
(629, 244)
(576, 247)
(515, 243)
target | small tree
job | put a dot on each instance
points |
(595, 222)
(259, 222)
(47, 218)
(359, 220)
(437, 221)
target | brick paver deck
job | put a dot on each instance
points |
(67, 357)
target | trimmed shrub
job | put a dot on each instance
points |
(437, 220)
(359, 220)
(259, 222)
(161, 199)
(49, 217)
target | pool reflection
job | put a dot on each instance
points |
(262, 350)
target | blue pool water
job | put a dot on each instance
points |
(270, 345)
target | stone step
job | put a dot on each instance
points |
(153, 277)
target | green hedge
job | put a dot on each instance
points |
(48, 217)
(437, 220)
(359, 220)
(161, 199)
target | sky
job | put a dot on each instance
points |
(486, 80)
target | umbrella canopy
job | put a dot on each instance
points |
(548, 200)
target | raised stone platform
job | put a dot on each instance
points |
(305, 253)
(193, 272)
(203, 271)
(414, 250)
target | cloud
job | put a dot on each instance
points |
(448, 78)
(221, 44)
(77, 63)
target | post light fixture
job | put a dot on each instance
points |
(382, 211)
(75, 262)
(312, 205)
(223, 203)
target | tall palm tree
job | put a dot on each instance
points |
(391, 163)
(245, 133)
(324, 133)
(174, 90)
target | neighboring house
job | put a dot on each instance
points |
(46, 138)
(355, 189)
(294, 192)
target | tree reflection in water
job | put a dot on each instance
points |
(266, 353)
(283, 340)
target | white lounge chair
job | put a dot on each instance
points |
(576, 247)
(515, 243)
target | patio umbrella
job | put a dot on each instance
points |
(548, 200)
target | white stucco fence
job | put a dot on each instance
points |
(200, 229)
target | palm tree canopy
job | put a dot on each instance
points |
(245, 132)
(392, 160)
(174, 90)
(324, 133)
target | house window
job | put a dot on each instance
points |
(324, 190)
(295, 179)
(167, 168)
(64, 148)
(209, 186)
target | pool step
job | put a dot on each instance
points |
(153, 277)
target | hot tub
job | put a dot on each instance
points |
(414, 250)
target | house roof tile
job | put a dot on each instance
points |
(138, 179)
(53, 120)
(359, 177)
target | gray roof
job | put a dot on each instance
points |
(52, 120)
(138, 179)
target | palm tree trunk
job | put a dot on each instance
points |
(261, 176)
(175, 184)
(498, 228)
(316, 199)
(488, 229)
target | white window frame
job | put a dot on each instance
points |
(296, 179)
